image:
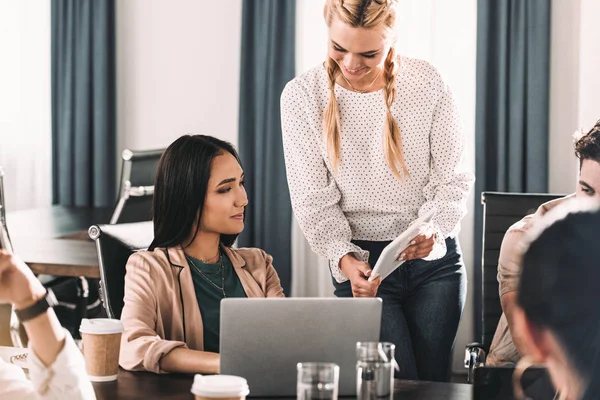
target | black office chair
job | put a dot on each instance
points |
(500, 211)
(114, 244)
(136, 186)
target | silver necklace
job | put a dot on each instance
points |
(206, 276)
(208, 260)
(205, 273)
(362, 91)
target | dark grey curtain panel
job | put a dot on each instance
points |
(511, 128)
(83, 102)
(267, 64)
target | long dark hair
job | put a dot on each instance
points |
(180, 188)
(560, 289)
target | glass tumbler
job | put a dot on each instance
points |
(375, 370)
(317, 381)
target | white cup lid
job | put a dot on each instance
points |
(101, 326)
(220, 386)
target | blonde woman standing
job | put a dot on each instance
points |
(372, 140)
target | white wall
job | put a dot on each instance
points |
(25, 128)
(574, 85)
(311, 34)
(589, 58)
(443, 33)
(564, 95)
(178, 67)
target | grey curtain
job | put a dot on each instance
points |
(267, 64)
(83, 102)
(511, 127)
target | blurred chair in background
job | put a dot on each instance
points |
(136, 186)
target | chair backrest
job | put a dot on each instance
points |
(114, 244)
(500, 211)
(136, 186)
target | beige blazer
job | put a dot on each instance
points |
(161, 309)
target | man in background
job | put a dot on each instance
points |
(508, 344)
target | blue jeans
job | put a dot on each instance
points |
(422, 305)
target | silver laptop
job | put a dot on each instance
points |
(262, 340)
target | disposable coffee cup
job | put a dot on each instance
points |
(101, 345)
(219, 387)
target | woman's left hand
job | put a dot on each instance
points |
(420, 247)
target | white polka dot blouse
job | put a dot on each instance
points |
(363, 200)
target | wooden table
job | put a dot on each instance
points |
(54, 240)
(55, 221)
(60, 257)
(148, 386)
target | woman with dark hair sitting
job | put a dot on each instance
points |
(173, 290)
(559, 299)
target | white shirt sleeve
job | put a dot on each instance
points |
(66, 378)
(450, 179)
(313, 191)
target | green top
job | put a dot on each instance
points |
(209, 294)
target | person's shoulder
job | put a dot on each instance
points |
(517, 230)
(515, 235)
(253, 257)
(148, 255)
(256, 261)
(421, 70)
(511, 252)
(149, 260)
(520, 227)
(549, 205)
(307, 83)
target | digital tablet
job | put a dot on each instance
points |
(387, 262)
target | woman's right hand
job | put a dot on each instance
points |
(18, 285)
(358, 273)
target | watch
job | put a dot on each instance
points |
(39, 307)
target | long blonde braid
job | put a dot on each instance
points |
(331, 120)
(392, 140)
